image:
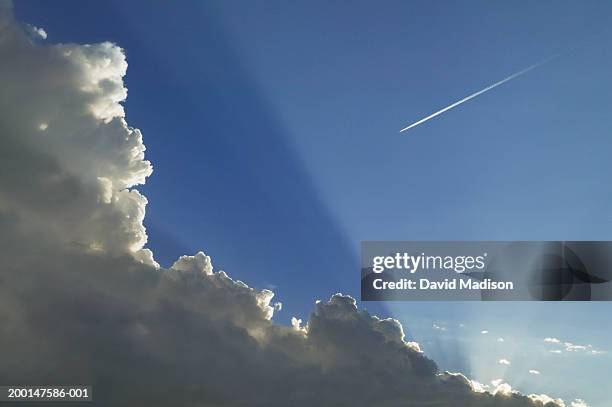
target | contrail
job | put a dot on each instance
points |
(480, 92)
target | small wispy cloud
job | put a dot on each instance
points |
(572, 347)
(484, 332)
(504, 362)
(534, 372)
(500, 339)
(439, 327)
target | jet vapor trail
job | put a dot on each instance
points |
(480, 92)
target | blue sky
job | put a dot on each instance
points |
(273, 131)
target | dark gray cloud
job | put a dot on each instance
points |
(82, 301)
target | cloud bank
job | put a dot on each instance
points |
(83, 302)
